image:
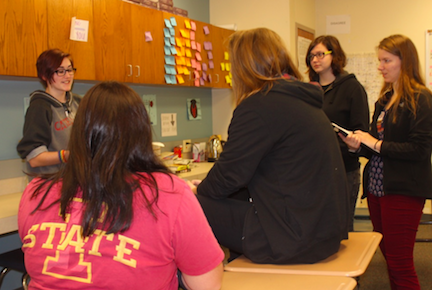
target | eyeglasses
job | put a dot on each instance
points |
(62, 72)
(319, 55)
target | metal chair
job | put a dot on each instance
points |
(13, 260)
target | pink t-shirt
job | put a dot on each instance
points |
(144, 257)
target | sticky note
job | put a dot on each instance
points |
(210, 55)
(196, 74)
(193, 45)
(198, 47)
(167, 32)
(193, 63)
(172, 31)
(187, 43)
(204, 76)
(226, 55)
(193, 25)
(167, 50)
(227, 79)
(188, 53)
(228, 66)
(198, 56)
(173, 50)
(167, 23)
(198, 66)
(167, 41)
(211, 64)
(206, 30)
(204, 67)
(222, 66)
(148, 36)
(197, 83)
(186, 71)
(169, 59)
(208, 45)
(192, 35)
(180, 79)
(173, 21)
(187, 24)
(188, 62)
(179, 42)
(172, 40)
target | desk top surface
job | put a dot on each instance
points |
(258, 281)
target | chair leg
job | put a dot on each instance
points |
(3, 274)
(25, 280)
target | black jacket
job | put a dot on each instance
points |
(345, 103)
(282, 147)
(406, 150)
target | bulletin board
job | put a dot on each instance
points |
(304, 37)
(428, 62)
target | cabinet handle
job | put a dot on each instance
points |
(217, 78)
(130, 70)
(138, 70)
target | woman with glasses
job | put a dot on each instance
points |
(345, 102)
(50, 115)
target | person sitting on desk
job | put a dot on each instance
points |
(282, 148)
(114, 217)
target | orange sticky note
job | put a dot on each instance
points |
(180, 79)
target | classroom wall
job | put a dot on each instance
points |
(278, 15)
(372, 20)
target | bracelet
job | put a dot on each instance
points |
(376, 143)
(62, 156)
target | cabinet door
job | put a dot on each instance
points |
(220, 49)
(206, 40)
(113, 40)
(60, 14)
(148, 56)
(23, 36)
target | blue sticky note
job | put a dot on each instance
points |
(167, 32)
(167, 23)
(173, 21)
(167, 50)
(173, 50)
(169, 59)
(172, 40)
(167, 41)
(172, 31)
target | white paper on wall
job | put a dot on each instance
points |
(79, 30)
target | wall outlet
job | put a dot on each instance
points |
(187, 146)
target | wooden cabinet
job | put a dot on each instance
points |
(121, 51)
(220, 49)
(60, 14)
(23, 34)
(116, 49)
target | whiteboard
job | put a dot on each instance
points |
(428, 63)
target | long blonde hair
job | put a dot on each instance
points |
(259, 58)
(410, 82)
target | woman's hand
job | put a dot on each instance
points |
(352, 140)
(193, 185)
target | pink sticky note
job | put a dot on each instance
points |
(193, 25)
(193, 45)
(206, 30)
(210, 55)
(197, 83)
(198, 56)
(201, 81)
(204, 67)
(211, 64)
(193, 63)
(198, 47)
(198, 66)
(196, 74)
(192, 35)
(148, 36)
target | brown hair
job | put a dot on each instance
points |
(410, 81)
(48, 62)
(259, 58)
(338, 55)
(110, 149)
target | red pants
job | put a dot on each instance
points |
(397, 218)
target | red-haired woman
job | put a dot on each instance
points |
(398, 176)
(50, 115)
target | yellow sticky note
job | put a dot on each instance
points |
(186, 71)
(222, 66)
(227, 79)
(179, 70)
(187, 43)
(226, 55)
(228, 66)
(180, 79)
(187, 24)
(179, 42)
(183, 33)
(188, 62)
(188, 53)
